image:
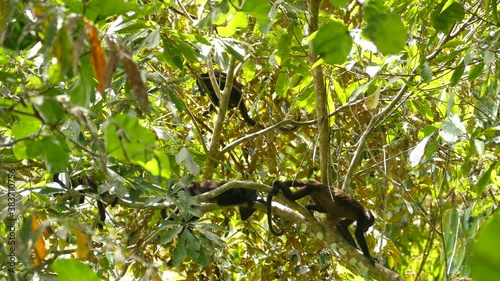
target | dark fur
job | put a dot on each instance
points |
(230, 197)
(342, 210)
(235, 97)
(87, 180)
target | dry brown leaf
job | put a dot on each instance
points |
(113, 61)
(136, 83)
(97, 57)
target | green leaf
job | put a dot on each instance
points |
(184, 157)
(27, 149)
(475, 71)
(442, 20)
(172, 55)
(484, 180)
(126, 139)
(49, 110)
(25, 126)
(152, 40)
(179, 254)
(426, 73)
(257, 8)
(373, 9)
(339, 91)
(418, 151)
(161, 165)
(332, 42)
(387, 32)
(220, 10)
(97, 8)
(73, 270)
(169, 235)
(457, 74)
(485, 261)
(235, 51)
(55, 153)
(282, 85)
(238, 20)
(82, 92)
(340, 3)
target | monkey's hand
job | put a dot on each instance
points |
(276, 188)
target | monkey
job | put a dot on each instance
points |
(230, 197)
(337, 205)
(235, 97)
(87, 180)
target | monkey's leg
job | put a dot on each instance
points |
(343, 229)
(244, 113)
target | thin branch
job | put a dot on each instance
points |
(221, 113)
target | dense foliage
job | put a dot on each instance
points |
(395, 102)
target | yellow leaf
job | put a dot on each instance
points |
(39, 245)
(82, 244)
(372, 100)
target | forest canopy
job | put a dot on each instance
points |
(110, 110)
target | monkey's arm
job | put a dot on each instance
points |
(307, 188)
(311, 208)
(244, 113)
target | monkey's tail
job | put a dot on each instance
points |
(244, 113)
(270, 210)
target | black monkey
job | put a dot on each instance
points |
(230, 197)
(89, 181)
(235, 97)
(340, 208)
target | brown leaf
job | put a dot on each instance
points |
(136, 82)
(39, 245)
(113, 61)
(97, 57)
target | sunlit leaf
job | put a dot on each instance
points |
(475, 71)
(258, 9)
(485, 261)
(484, 180)
(332, 42)
(82, 244)
(371, 101)
(340, 3)
(184, 157)
(387, 32)
(96, 8)
(238, 20)
(73, 270)
(426, 73)
(418, 151)
(159, 165)
(126, 139)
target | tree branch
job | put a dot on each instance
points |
(221, 113)
(320, 93)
